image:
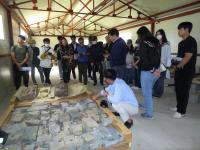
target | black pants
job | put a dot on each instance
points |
(97, 67)
(82, 69)
(158, 88)
(137, 78)
(18, 76)
(47, 75)
(66, 71)
(74, 64)
(89, 70)
(183, 82)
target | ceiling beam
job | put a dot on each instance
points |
(49, 12)
(190, 12)
(111, 12)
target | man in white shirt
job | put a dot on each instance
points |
(46, 56)
(121, 97)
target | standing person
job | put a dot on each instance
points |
(149, 62)
(73, 46)
(165, 61)
(82, 51)
(66, 59)
(118, 53)
(185, 70)
(121, 97)
(56, 48)
(35, 62)
(137, 66)
(106, 53)
(96, 58)
(46, 56)
(130, 70)
(89, 62)
(20, 56)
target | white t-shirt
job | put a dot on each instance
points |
(129, 60)
(45, 63)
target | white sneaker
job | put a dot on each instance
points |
(178, 115)
(173, 109)
(135, 88)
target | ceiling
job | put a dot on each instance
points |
(88, 17)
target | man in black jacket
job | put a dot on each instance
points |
(96, 59)
(73, 46)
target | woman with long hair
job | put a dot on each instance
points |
(149, 48)
(66, 59)
(165, 61)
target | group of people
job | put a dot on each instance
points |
(144, 64)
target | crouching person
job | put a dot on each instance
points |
(120, 96)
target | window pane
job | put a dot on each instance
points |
(1, 28)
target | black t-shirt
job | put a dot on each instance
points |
(188, 45)
(36, 53)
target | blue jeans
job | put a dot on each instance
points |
(121, 69)
(147, 82)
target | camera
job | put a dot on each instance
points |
(176, 60)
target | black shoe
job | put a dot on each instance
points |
(4, 136)
(116, 113)
(104, 104)
(95, 84)
(128, 124)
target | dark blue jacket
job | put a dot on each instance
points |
(82, 54)
(118, 53)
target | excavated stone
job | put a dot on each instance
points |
(12, 147)
(17, 117)
(30, 134)
(28, 147)
(44, 138)
(77, 129)
(54, 118)
(89, 123)
(32, 122)
(64, 118)
(75, 115)
(57, 145)
(33, 114)
(54, 128)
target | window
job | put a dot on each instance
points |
(125, 35)
(1, 28)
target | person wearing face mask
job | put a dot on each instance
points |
(121, 97)
(46, 56)
(35, 62)
(130, 69)
(20, 56)
(96, 59)
(158, 88)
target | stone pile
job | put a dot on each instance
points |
(61, 126)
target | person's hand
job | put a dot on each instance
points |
(92, 64)
(157, 73)
(179, 66)
(19, 65)
(95, 97)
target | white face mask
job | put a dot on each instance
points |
(159, 37)
(46, 45)
(94, 42)
(136, 45)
